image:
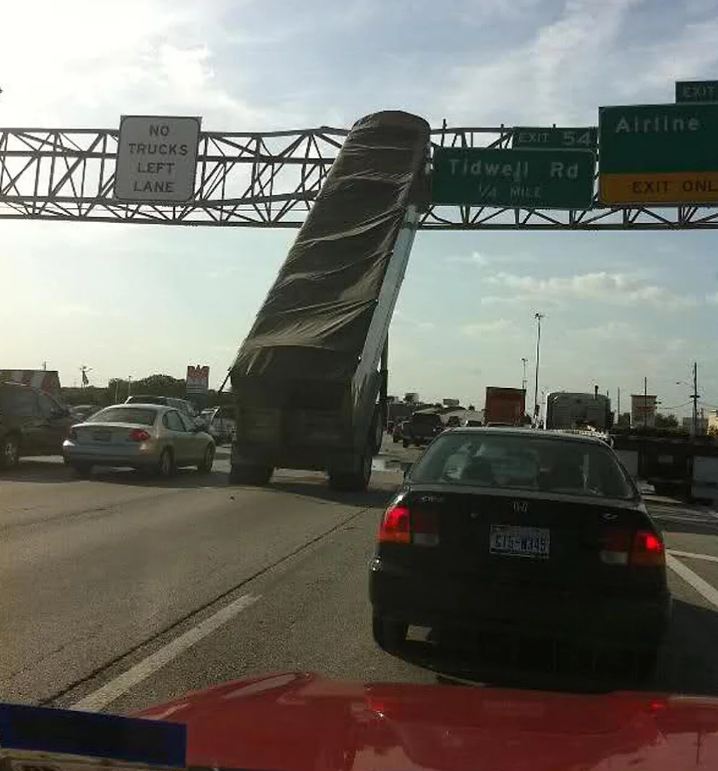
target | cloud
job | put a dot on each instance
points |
(403, 319)
(712, 299)
(475, 258)
(614, 288)
(481, 328)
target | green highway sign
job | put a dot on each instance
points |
(542, 138)
(553, 179)
(704, 91)
(660, 153)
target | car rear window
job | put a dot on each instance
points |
(135, 415)
(428, 418)
(520, 462)
(147, 400)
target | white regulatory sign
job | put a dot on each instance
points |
(156, 158)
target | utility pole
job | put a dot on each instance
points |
(129, 385)
(524, 361)
(538, 316)
(618, 403)
(694, 397)
(645, 402)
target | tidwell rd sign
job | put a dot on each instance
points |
(156, 158)
(658, 154)
(549, 179)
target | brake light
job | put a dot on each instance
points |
(641, 549)
(401, 525)
(394, 526)
(139, 435)
(648, 550)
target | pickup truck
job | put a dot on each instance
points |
(421, 428)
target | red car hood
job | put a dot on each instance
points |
(290, 722)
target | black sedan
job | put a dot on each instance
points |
(518, 530)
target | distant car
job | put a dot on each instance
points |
(520, 531)
(182, 405)
(143, 436)
(31, 423)
(396, 432)
(453, 421)
(221, 427)
(471, 423)
(421, 428)
(83, 411)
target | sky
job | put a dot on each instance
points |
(128, 300)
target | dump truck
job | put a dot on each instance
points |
(310, 378)
(567, 410)
(505, 406)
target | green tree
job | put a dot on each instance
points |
(666, 421)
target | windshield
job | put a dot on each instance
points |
(133, 415)
(521, 463)
(401, 323)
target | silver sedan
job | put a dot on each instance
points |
(144, 436)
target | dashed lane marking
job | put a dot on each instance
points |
(703, 588)
(160, 658)
(691, 555)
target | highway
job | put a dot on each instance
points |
(121, 591)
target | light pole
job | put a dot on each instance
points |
(524, 361)
(538, 316)
(694, 398)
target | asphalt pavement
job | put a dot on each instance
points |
(119, 591)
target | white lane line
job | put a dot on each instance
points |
(702, 587)
(143, 669)
(691, 555)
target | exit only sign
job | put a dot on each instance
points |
(658, 154)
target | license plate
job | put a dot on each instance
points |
(517, 541)
(102, 436)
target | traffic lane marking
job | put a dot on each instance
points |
(692, 555)
(148, 666)
(700, 585)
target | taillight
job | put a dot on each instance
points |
(647, 550)
(401, 525)
(139, 435)
(623, 547)
(394, 526)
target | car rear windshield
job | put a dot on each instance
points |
(423, 417)
(520, 462)
(135, 415)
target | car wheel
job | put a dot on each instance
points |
(206, 465)
(9, 452)
(82, 469)
(417, 443)
(165, 466)
(257, 476)
(395, 439)
(405, 442)
(388, 635)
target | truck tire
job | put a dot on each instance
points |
(388, 635)
(257, 476)
(352, 481)
(377, 433)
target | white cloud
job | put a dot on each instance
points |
(616, 288)
(481, 328)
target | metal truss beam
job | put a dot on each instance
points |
(262, 179)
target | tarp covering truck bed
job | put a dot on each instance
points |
(306, 377)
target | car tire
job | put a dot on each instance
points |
(205, 466)
(395, 439)
(9, 452)
(389, 635)
(82, 470)
(256, 476)
(417, 443)
(405, 442)
(165, 467)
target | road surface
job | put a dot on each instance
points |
(121, 591)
